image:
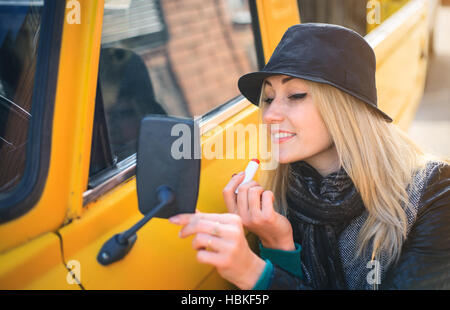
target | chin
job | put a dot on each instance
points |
(284, 158)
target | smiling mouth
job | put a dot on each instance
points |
(281, 137)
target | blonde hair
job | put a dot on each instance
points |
(379, 158)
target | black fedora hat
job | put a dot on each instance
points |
(323, 53)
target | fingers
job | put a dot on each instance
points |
(228, 192)
(254, 200)
(223, 218)
(185, 218)
(182, 219)
(242, 200)
(219, 241)
(208, 257)
(267, 204)
(215, 235)
(206, 227)
(209, 243)
(224, 225)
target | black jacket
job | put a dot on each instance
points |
(425, 257)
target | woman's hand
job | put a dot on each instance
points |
(220, 241)
(255, 207)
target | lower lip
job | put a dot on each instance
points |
(284, 139)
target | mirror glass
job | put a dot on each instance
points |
(169, 154)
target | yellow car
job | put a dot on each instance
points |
(77, 77)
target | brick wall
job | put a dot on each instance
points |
(208, 54)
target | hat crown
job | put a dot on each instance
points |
(328, 35)
(327, 51)
(323, 53)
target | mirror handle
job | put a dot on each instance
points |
(120, 244)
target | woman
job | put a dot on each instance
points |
(353, 204)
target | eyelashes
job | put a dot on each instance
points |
(297, 96)
(291, 97)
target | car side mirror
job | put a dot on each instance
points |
(167, 177)
(168, 155)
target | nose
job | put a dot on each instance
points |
(273, 113)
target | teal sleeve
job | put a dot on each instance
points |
(264, 279)
(287, 260)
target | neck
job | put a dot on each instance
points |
(326, 162)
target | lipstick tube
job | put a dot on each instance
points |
(250, 172)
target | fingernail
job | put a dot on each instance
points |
(233, 174)
(174, 219)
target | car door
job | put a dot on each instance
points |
(89, 94)
(401, 45)
(163, 57)
(34, 186)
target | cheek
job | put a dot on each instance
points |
(314, 131)
(312, 134)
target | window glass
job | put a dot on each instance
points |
(19, 35)
(181, 58)
(360, 15)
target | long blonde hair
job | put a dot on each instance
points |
(379, 158)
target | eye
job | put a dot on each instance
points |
(297, 96)
(268, 100)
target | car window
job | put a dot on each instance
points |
(180, 58)
(19, 36)
(360, 15)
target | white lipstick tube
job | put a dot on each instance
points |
(250, 172)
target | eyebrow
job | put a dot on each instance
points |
(283, 81)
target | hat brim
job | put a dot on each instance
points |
(250, 86)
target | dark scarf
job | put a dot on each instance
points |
(319, 208)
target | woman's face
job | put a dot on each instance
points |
(301, 133)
